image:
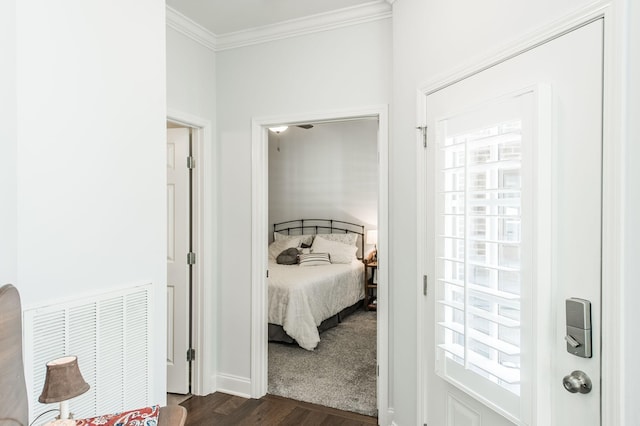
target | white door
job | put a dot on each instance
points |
(513, 217)
(178, 269)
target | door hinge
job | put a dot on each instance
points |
(378, 370)
(424, 284)
(191, 354)
(191, 162)
(423, 130)
(191, 258)
(267, 273)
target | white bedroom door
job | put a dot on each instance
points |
(513, 182)
(178, 268)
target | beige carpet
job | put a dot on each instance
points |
(339, 373)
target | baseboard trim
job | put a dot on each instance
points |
(233, 385)
(390, 414)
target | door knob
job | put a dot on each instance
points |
(577, 381)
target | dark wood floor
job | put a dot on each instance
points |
(223, 409)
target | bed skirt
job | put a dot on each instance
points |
(277, 333)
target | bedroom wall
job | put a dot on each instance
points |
(325, 71)
(91, 157)
(329, 171)
(431, 40)
(8, 145)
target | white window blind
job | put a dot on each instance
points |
(479, 250)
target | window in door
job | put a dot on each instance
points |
(483, 265)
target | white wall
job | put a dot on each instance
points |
(190, 77)
(8, 145)
(430, 41)
(91, 105)
(343, 68)
(329, 171)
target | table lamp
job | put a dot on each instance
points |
(372, 238)
(63, 382)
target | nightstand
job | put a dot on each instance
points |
(370, 286)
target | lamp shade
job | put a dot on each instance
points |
(63, 381)
(372, 236)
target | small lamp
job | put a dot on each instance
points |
(63, 382)
(372, 238)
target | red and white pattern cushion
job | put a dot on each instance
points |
(147, 416)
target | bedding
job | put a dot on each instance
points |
(301, 298)
(279, 246)
(338, 252)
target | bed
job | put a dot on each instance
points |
(306, 300)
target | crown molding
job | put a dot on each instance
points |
(190, 28)
(354, 15)
(367, 12)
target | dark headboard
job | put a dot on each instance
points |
(14, 406)
(322, 226)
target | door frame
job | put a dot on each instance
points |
(259, 242)
(204, 196)
(614, 87)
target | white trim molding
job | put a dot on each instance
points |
(345, 17)
(234, 385)
(354, 15)
(259, 242)
(190, 28)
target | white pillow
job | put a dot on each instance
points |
(314, 259)
(307, 239)
(277, 247)
(349, 238)
(338, 252)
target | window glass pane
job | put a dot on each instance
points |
(454, 157)
(509, 282)
(509, 335)
(509, 255)
(509, 229)
(453, 203)
(454, 248)
(453, 226)
(453, 270)
(480, 276)
(453, 180)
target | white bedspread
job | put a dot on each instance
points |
(301, 297)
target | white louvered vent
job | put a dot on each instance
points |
(109, 334)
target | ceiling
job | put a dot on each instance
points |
(228, 16)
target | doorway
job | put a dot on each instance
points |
(324, 170)
(260, 232)
(203, 235)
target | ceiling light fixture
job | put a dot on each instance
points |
(278, 129)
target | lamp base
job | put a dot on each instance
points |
(61, 422)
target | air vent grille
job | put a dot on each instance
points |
(109, 334)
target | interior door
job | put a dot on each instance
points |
(513, 188)
(178, 268)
